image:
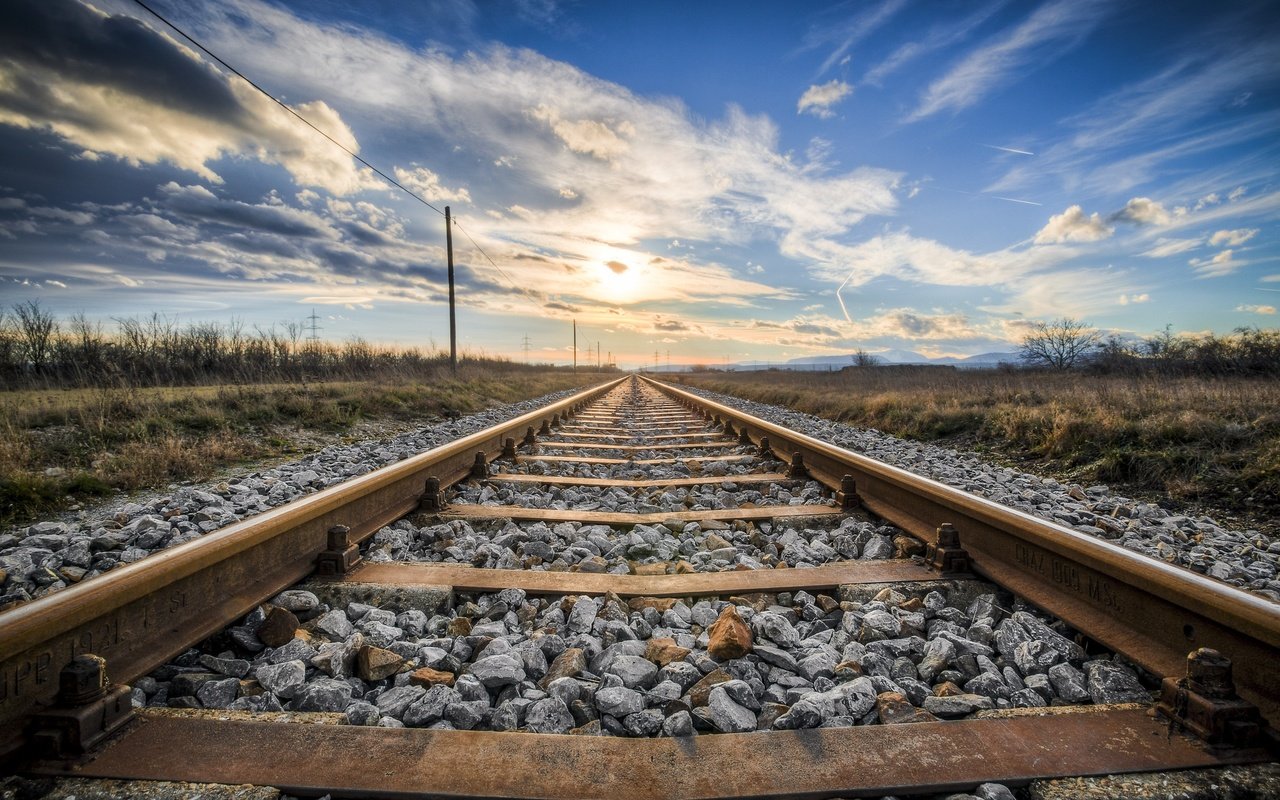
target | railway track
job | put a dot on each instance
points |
(639, 593)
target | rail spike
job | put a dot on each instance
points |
(1205, 703)
(432, 499)
(342, 555)
(529, 438)
(88, 710)
(479, 469)
(947, 556)
(797, 469)
(848, 496)
(509, 448)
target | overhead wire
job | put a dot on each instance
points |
(335, 142)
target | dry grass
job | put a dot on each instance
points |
(59, 447)
(1192, 441)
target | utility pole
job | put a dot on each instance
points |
(655, 360)
(453, 321)
(668, 361)
(525, 345)
(597, 356)
(575, 347)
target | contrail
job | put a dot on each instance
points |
(1015, 200)
(1010, 150)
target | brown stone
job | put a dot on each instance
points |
(374, 663)
(715, 541)
(459, 626)
(912, 605)
(729, 636)
(568, 664)
(592, 728)
(827, 603)
(907, 546)
(895, 709)
(768, 713)
(848, 670)
(685, 568)
(700, 692)
(947, 689)
(278, 628)
(426, 676)
(663, 650)
(757, 600)
(660, 603)
(659, 568)
(249, 687)
(591, 564)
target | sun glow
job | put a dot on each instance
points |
(619, 282)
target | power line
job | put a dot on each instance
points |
(332, 140)
(283, 105)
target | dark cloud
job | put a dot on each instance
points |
(116, 52)
(558, 306)
(617, 266)
(198, 203)
(670, 325)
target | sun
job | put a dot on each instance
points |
(618, 281)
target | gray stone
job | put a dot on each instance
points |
(957, 705)
(678, 724)
(393, 702)
(282, 680)
(549, 715)
(1112, 683)
(727, 715)
(325, 694)
(335, 625)
(430, 707)
(499, 670)
(635, 672)
(1068, 683)
(218, 694)
(619, 701)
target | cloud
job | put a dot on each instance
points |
(616, 266)
(1049, 32)
(1142, 211)
(1247, 309)
(112, 85)
(819, 98)
(1171, 247)
(1221, 264)
(1233, 238)
(940, 36)
(604, 140)
(426, 183)
(1073, 225)
(1126, 299)
(670, 325)
(844, 35)
(1129, 136)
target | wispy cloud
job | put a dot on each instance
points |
(842, 36)
(1050, 31)
(938, 37)
(819, 98)
(1256, 309)
(1010, 150)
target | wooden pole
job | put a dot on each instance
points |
(453, 320)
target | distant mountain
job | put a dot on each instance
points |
(886, 357)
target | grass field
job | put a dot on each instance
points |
(1191, 442)
(61, 447)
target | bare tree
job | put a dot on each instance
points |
(37, 329)
(1060, 344)
(863, 359)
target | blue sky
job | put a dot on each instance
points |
(721, 180)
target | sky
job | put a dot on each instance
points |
(717, 181)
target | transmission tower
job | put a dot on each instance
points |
(525, 345)
(314, 335)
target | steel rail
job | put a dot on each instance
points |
(140, 615)
(1152, 612)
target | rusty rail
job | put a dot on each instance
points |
(140, 615)
(1152, 612)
